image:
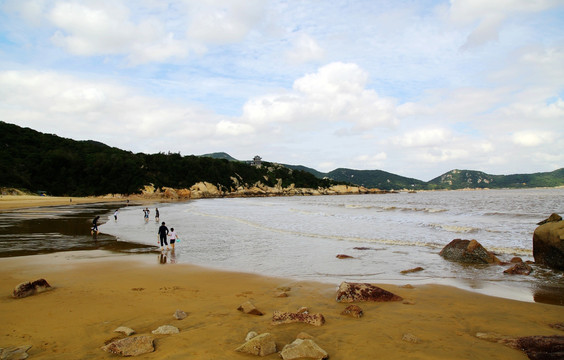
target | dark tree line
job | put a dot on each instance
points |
(64, 167)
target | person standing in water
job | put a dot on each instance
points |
(173, 237)
(95, 226)
(157, 214)
(163, 232)
(146, 214)
(115, 214)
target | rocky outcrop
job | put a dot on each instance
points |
(536, 347)
(15, 352)
(554, 217)
(261, 345)
(302, 316)
(548, 243)
(468, 251)
(166, 330)
(131, 346)
(353, 292)
(30, 288)
(303, 349)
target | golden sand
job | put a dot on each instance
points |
(94, 292)
(9, 202)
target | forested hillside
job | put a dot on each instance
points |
(42, 162)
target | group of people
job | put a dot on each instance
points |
(162, 234)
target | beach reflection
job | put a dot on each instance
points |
(166, 257)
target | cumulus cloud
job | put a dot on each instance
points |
(423, 138)
(335, 93)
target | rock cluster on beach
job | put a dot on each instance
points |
(548, 242)
(209, 190)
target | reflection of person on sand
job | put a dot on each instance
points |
(163, 232)
(173, 236)
(146, 214)
(157, 214)
(95, 226)
(162, 258)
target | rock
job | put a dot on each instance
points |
(548, 245)
(248, 308)
(250, 335)
(125, 330)
(552, 218)
(166, 330)
(280, 317)
(519, 269)
(559, 326)
(304, 336)
(417, 269)
(282, 295)
(343, 256)
(353, 311)
(15, 352)
(410, 338)
(180, 315)
(301, 348)
(536, 347)
(516, 260)
(30, 288)
(131, 346)
(261, 345)
(468, 251)
(351, 292)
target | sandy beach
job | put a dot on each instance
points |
(11, 202)
(94, 292)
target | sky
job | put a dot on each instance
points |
(415, 88)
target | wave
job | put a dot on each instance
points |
(455, 228)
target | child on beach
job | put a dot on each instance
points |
(173, 236)
(95, 226)
(146, 214)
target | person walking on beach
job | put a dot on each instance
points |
(173, 237)
(163, 232)
(115, 214)
(146, 214)
(156, 214)
(95, 226)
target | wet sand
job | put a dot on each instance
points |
(94, 292)
(10, 202)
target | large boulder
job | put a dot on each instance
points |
(261, 345)
(468, 251)
(351, 292)
(548, 244)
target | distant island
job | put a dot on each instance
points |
(49, 164)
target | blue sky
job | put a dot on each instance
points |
(416, 88)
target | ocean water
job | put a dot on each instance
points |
(300, 237)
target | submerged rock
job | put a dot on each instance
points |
(261, 345)
(548, 244)
(519, 269)
(353, 311)
(131, 346)
(248, 308)
(125, 330)
(468, 251)
(303, 348)
(417, 269)
(281, 317)
(166, 330)
(352, 292)
(30, 288)
(15, 352)
(536, 347)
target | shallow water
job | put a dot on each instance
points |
(299, 237)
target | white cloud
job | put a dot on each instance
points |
(226, 127)
(371, 161)
(335, 93)
(533, 138)
(423, 138)
(305, 49)
(490, 15)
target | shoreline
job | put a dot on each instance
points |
(96, 291)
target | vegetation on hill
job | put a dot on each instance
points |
(65, 167)
(461, 179)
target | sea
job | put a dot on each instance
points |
(300, 237)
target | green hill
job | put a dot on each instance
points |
(220, 155)
(461, 179)
(35, 161)
(376, 179)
